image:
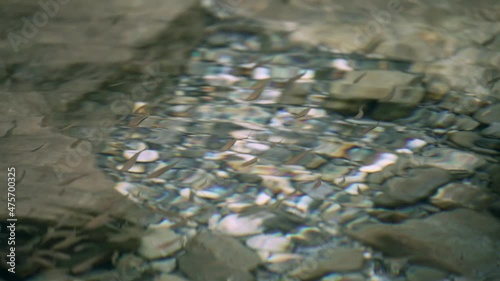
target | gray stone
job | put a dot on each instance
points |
(467, 123)
(165, 266)
(460, 241)
(381, 85)
(456, 195)
(170, 277)
(492, 131)
(475, 142)
(489, 114)
(212, 257)
(159, 243)
(407, 190)
(329, 261)
(423, 273)
(453, 160)
(419, 46)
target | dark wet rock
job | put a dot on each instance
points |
(455, 195)
(211, 257)
(397, 216)
(460, 241)
(408, 190)
(492, 131)
(467, 123)
(389, 112)
(164, 266)
(495, 208)
(489, 114)
(327, 261)
(475, 142)
(490, 145)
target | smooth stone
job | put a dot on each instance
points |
(453, 160)
(213, 257)
(475, 142)
(145, 156)
(159, 243)
(169, 277)
(444, 120)
(329, 261)
(467, 123)
(136, 168)
(271, 243)
(456, 195)
(278, 184)
(489, 114)
(420, 45)
(310, 237)
(460, 241)
(423, 273)
(373, 84)
(408, 190)
(235, 225)
(390, 215)
(165, 266)
(492, 131)
(282, 257)
(437, 88)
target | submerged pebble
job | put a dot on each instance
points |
(286, 153)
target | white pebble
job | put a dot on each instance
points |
(415, 144)
(185, 193)
(145, 156)
(341, 64)
(137, 168)
(283, 257)
(260, 73)
(384, 160)
(355, 188)
(271, 243)
(262, 199)
(138, 105)
(238, 207)
(304, 202)
(235, 225)
(125, 187)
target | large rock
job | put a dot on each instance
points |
(379, 85)
(409, 30)
(329, 260)
(408, 190)
(212, 257)
(53, 54)
(460, 241)
(47, 67)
